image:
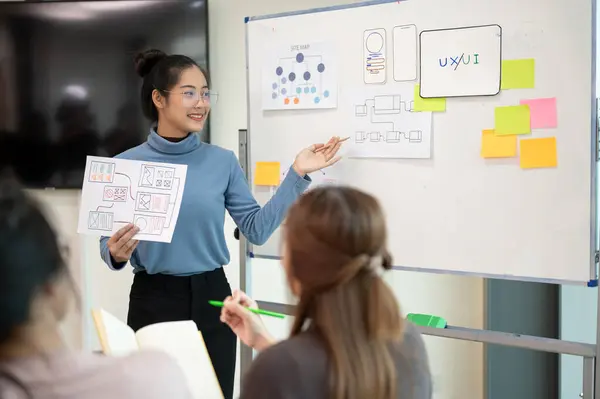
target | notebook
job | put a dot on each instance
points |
(180, 339)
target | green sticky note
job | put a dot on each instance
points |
(518, 74)
(512, 120)
(428, 104)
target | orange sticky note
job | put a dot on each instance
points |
(267, 174)
(538, 153)
(493, 146)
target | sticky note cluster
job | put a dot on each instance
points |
(538, 113)
(535, 152)
(511, 122)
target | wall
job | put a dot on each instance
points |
(517, 373)
(61, 207)
(578, 322)
(453, 294)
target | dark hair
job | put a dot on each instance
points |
(160, 72)
(30, 255)
(336, 241)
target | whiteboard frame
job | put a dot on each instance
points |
(591, 368)
(594, 148)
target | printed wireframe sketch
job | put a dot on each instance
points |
(120, 191)
(375, 56)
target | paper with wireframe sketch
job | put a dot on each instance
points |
(120, 191)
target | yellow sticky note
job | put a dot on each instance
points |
(428, 104)
(512, 120)
(266, 174)
(518, 74)
(538, 153)
(493, 146)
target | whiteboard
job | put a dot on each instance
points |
(453, 211)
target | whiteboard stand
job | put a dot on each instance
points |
(589, 352)
(591, 373)
(245, 282)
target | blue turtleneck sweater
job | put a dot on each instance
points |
(215, 182)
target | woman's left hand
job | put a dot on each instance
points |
(312, 159)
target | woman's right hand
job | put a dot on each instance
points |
(122, 244)
(248, 326)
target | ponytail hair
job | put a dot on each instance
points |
(335, 240)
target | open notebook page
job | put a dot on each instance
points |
(116, 337)
(184, 343)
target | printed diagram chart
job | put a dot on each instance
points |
(118, 191)
(303, 77)
(375, 57)
(384, 126)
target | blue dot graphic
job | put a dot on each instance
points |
(321, 67)
(292, 76)
(313, 90)
(326, 93)
(298, 90)
(283, 80)
(306, 75)
(283, 91)
(306, 90)
(317, 100)
(299, 57)
(274, 86)
(274, 96)
(279, 71)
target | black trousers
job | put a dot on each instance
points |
(155, 298)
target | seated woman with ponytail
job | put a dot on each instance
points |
(35, 291)
(348, 340)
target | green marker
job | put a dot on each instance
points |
(427, 320)
(219, 304)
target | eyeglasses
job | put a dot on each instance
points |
(191, 97)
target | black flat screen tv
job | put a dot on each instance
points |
(68, 87)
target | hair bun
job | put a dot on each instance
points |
(387, 260)
(145, 61)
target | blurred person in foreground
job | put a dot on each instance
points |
(35, 293)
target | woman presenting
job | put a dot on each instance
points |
(175, 281)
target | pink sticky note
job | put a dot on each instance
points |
(542, 111)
